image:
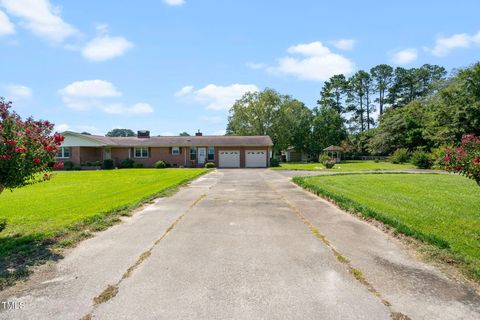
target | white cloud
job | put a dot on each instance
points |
(98, 94)
(444, 45)
(344, 44)
(40, 17)
(404, 56)
(136, 109)
(220, 97)
(61, 127)
(318, 63)
(6, 26)
(105, 47)
(184, 91)
(256, 66)
(90, 89)
(174, 2)
(17, 92)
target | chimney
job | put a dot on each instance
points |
(198, 133)
(143, 134)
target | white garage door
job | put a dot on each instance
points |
(255, 158)
(229, 158)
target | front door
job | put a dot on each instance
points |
(202, 154)
(107, 153)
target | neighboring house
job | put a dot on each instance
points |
(178, 151)
(293, 155)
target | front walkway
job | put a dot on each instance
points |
(241, 244)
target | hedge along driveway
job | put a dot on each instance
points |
(72, 202)
(443, 210)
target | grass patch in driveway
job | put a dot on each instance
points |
(346, 166)
(69, 207)
(442, 210)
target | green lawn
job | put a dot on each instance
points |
(443, 210)
(73, 202)
(345, 166)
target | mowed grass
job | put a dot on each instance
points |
(73, 204)
(440, 209)
(346, 166)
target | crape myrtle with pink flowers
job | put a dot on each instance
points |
(27, 149)
(465, 159)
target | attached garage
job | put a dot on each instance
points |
(229, 158)
(255, 158)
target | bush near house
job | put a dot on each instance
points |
(108, 164)
(274, 163)
(127, 163)
(161, 164)
(68, 165)
(209, 165)
(138, 165)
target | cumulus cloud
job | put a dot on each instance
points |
(105, 47)
(16, 92)
(98, 94)
(404, 56)
(6, 26)
(219, 97)
(344, 44)
(174, 2)
(40, 17)
(316, 63)
(444, 45)
(184, 91)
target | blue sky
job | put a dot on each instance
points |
(177, 65)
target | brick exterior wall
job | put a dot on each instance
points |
(80, 155)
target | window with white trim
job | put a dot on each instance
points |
(211, 154)
(63, 152)
(141, 152)
(175, 151)
(193, 154)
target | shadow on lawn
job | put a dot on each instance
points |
(19, 252)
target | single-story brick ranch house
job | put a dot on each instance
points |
(178, 151)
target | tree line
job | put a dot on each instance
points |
(417, 108)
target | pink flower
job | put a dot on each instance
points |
(37, 160)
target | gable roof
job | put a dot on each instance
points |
(177, 141)
(333, 148)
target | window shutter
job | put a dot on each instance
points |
(149, 152)
(170, 150)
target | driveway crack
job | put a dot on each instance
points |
(112, 290)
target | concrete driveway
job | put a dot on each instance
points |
(241, 244)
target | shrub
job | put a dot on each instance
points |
(328, 162)
(108, 164)
(400, 156)
(137, 165)
(76, 168)
(422, 159)
(160, 164)
(209, 165)
(127, 163)
(274, 162)
(438, 157)
(323, 157)
(26, 148)
(97, 164)
(465, 160)
(68, 165)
